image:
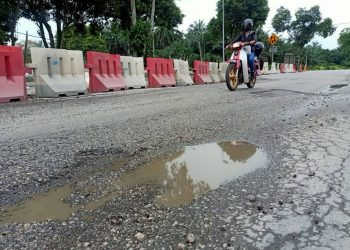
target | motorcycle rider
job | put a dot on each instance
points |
(248, 39)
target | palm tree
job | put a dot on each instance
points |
(196, 33)
(166, 36)
(118, 40)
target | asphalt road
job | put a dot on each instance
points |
(69, 168)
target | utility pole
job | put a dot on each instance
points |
(223, 30)
(272, 56)
(26, 49)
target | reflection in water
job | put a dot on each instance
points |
(190, 173)
(238, 150)
(180, 188)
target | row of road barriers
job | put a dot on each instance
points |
(59, 72)
(278, 68)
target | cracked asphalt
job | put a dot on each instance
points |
(299, 200)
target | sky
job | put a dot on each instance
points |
(337, 10)
(194, 10)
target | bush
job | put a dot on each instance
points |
(328, 67)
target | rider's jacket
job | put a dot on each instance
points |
(243, 38)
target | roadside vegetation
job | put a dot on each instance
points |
(150, 28)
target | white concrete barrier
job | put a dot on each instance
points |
(289, 68)
(133, 72)
(222, 71)
(182, 73)
(58, 72)
(292, 69)
(214, 72)
(273, 69)
(265, 70)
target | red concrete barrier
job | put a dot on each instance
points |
(282, 68)
(160, 73)
(201, 72)
(106, 72)
(294, 68)
(12, 80)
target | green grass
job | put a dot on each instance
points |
(328, 67)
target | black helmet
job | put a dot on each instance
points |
(247, 25)
(259, 47)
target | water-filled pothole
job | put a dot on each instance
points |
(193, 171)
(182, 176)
(338, 86)
(40, 207)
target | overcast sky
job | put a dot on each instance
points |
(338, 10)
(195, 10)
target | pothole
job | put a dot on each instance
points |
(265, 93)
(182, 176)
(189, 173)
(40, 207)
(338, 86)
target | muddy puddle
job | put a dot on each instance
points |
(181, 177)
(193, 171)
(40, 208)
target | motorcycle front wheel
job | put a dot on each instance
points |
(232, 77)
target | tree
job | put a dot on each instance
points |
(152, 23)
(141, 38)
(196, 34)
(65, 14)
(117, 39)
(344, 42)
(307, 24)
(133, 12)
(236, 12)
(9, 15)
(344, 39)
(75, 40)
(166, 36)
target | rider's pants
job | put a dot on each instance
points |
(251, 62)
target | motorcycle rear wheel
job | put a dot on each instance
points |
(251, 84)
(232, 77)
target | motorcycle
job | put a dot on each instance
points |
(238, 71)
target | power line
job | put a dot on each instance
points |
(335, 24)
(21, 33)
(342, 23)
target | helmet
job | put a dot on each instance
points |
(247, 25)
(259, 47)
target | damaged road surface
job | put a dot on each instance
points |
(195, 167)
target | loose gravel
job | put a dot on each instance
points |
(89, 142)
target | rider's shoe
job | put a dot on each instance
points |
(251, 77)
